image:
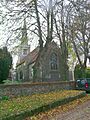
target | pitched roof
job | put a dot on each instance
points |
(32, 56)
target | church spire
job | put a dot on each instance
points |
(24, 38)
(24, 48)
(24, 29)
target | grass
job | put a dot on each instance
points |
(6, 82)
(27, 104)
(53, 113)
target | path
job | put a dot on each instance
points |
(81, 112)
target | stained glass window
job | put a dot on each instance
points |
(53, 61)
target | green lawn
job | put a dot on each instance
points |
(28, 103)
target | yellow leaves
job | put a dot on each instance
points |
(21, 104)
(33, 118)
(56, 111)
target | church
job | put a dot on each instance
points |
(49, 64)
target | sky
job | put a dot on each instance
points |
(5, 33)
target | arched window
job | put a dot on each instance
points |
(53, 61)
(21, 75)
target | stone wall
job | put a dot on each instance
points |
(33, 88)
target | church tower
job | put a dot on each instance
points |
(24, 48)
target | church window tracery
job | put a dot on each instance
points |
(53, 61)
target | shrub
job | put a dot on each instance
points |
(4, 98)
(88, 73)
(79, 72)
(11, 82)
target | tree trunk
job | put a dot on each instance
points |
(39, 26)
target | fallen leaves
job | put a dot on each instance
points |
(24, 103)
(56, 111)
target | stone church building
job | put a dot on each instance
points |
(49, 64)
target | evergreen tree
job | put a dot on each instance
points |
(5, 64)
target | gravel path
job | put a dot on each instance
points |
(82, 112)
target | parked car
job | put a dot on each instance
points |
(83, 84)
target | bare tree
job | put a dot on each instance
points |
(80, 31)
(49, 20)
